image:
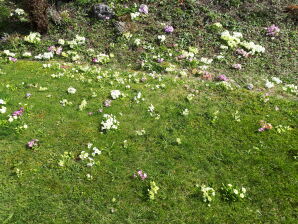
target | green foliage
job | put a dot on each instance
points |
(227, 151)
(4, 15)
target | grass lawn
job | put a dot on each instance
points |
(215, 143)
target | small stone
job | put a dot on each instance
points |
(249, 86)
(102, 11)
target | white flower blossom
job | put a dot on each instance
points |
(269, 84)
(71, 90)
(115, 94)
(109, 122)
(276, 80)
(2, 110)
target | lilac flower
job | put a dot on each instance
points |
(272, 30)
(33, 143)
(107, 103)
(237, 66)
(169, 29)
(265, 126)
(160, 60)
(261, 129)
(52, 48)
(59, 50)
(222, 78)
(144, 9)
(12, 59)
(95, 60)
(140, 174)
(242, 53)
(18, 113)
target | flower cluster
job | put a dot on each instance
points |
(151, 110)
(79, 40)
(242, 53)
(83, 105)
(272, 30)
(67, 156)
(291, 88)
(56, 50)
(141, 132)
(44, 56)
(16, 114)
(185, 112)
(134, 15)
(65, 102)
(85, 156)
(3, 108)
(144, 9)
(101, 58)
(230, 193)
(33, 38)
(237, 66)
(237, 116)
(152, 191)
(140, 174)
(265, 126)
(252, 47)
(208, 194)
(33, 143)
(283, 128)
(115, 94)
(8, 53)
(161, 38)
(222, 78)
(232, 40)
(169, 29)
(19, 14)
(71, 90)
(235, 39)
(109, 122)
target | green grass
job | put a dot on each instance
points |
(217, 153)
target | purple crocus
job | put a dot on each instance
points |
(272, 30)
(144, 9)
(59, 50)
(12, 59)
(52, 48)
(222, 78)
(18, 113)
(160, 60)
(140, 174)
(169, 29)
(33, 143)
(95, 60)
